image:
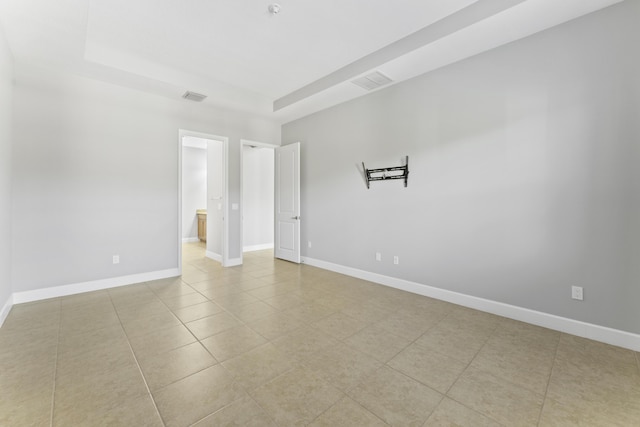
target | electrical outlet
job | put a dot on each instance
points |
(576, 293)
(396, 259)
(378, 256)
(309, 243)
(116, 259)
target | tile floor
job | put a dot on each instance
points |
(276, 344)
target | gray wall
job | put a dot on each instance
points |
(95, 170)
(523, 174)
(6, 105)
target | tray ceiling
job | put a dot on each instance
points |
(281, 66)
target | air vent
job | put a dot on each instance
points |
(372, 81)
(192, 96)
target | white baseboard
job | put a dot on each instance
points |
(558, 323)
(4, 312)
(257, 247)
(214, 256)
(232, 262)
(190, 240)
(95, 285)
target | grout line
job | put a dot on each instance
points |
(199, 341)
(346, 396)
(55, 367)
(135, 358)
(248, 394)
(446, 395)
(385, 364)
(450, 313)
(489, 335)
(264, 411)
(553, 365)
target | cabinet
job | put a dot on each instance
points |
(202, 224)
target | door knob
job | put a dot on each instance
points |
(295, 217)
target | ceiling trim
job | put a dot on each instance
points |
(457, 21)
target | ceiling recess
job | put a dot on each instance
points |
(372, 81)
(193, 96)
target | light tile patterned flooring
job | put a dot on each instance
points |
(276, 344)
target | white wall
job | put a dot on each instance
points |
(524, 174)
(258, 197)
(215, 201)
(96, 174)
(6, 105)
(194, 189)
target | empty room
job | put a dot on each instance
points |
(305, 213)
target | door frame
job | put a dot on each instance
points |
(225, 177)
(244, 142)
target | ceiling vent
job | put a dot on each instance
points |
(372, 81)
(192, 96)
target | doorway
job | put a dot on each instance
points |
(194, 188)
(257, 195)
(209, 155)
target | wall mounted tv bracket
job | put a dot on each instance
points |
(382, 174)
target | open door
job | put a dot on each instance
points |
(287, 203)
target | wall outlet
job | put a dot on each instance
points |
(396, 259)
(576, 293)
(309, 243)
(116, 259)
(378, 256)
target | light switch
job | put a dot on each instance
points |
(234, 206)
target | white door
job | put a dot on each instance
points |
(287, 203)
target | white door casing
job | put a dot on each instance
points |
(287, 203)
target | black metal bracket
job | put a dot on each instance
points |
(396, 172)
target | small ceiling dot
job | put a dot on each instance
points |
(274, 8)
